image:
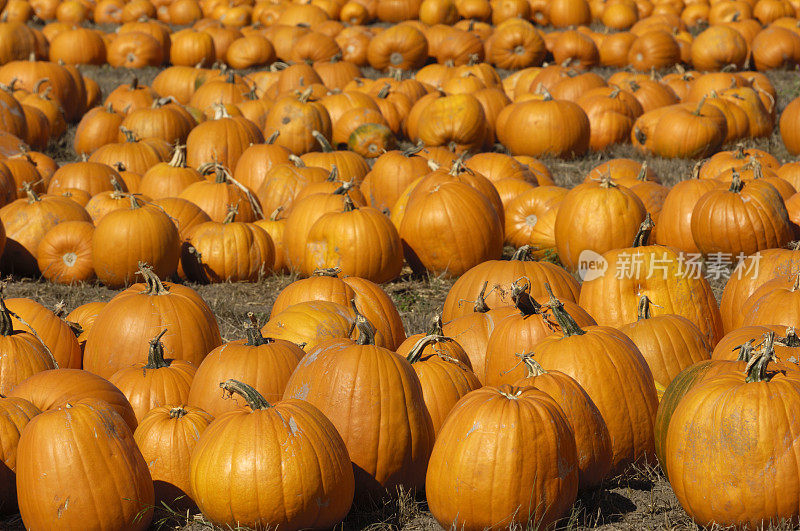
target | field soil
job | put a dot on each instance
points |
(642, 500)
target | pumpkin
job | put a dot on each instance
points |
(321, 495)
(370, 299)
(530, 218)
(392, 172)
(54, 388)
(308, 323)
(501, 276)
(118, 337)
(538, 489)
(229, 251)
(294, 118)
(517, 334)
(26, 221)
(166, 437)
(169, 179)
(761, 396)
(592, 440)
(515, 44)
(92, 177)
(25, 355)
(756, 200)
(256, 163)
(455, 121)
(159, 382)
(669, 343)
(717, 47)
(476, 237)
(672, 284)
(134, 154)
(595, 218)
(618, 381)
(443, 370)
(15, 413)
(562, 125)
(48, 328)
(789, 117)
(345, 382)
(216, 196)
(156, 243)
(221, 140)
(402, 47)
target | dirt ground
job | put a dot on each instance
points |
(643, 500)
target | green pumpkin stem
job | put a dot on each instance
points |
(756, 370)
(154, 284)
(366, 332)
(254, 336)
(155, 358)
(565, 321)
(254, 399)
(642, 237)
(643, 310)
(523, 301)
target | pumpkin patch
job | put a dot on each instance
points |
(469, 264)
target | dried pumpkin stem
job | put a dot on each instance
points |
(523, 254)
(154, 284)
(6, 325)
(736, 183)
(322, 141)
(327, 272)
(756, 370)
(254, 399)
(177, 412)
(523, 301)
(254, 336)
(480, 302)
(155, 357)
(533, 367)
(366, 332)
(642, 237)
(565, 321)
(643, 310)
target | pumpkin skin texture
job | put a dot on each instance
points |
(159, 382)
(108, 485)
(477, 236)
(263, 363)
(596, 217)
(119, 335)
(755, 219)
(166, 437)
(503, 273)
(291, 440)
(533, 476)
(15, 413)
(345, 382)
(592, 440)
(669, 284)
(124, 238)
(53, 388)
(669, 343)
(617, 380)
(734, 430)
(361, 242)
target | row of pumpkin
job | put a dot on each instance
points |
(210, 228)
(125, 394)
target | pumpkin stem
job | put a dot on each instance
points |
(533, 367)
(696, 169)
(366, 332)
(700, 106)
(134, 202)
(348, 204)
(297, 161)
(643, 310)
(565, 321)
(118, 191)
(480, 301)
(155, 358)
(276, 213)
(523, 301)
(254, 399)
(756, 370)
(305, 95)
(322, 141)
(233, 209)
(745, 351)
(643, 235)
(327, 272)
(333, 176)
(523, 254)
(32, 196)
(178, 159)
(129, 135)
(606, 182)
(413, 150)
(60, 311)
(273, 137)
(154, 284)
(6, 325)
(736, 183)
(436, 326)
(177, 412)
(642, 172)
(791, 340)
(254, 336)
(384, 91)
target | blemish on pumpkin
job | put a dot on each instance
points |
(302, 392)
(63, 507)
(293, 426)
